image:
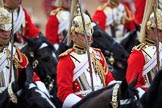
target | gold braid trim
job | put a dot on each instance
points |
(128, 15)
(102, 71)
(56, 11)
(12, 96)
(18, 59)
(115, 96)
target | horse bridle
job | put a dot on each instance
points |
(114, 101)
(12, 96)
(36, 62)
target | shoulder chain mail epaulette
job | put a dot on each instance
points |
(97, 49)
(54, 12)
(18, 59)
(139, 47)
(66, 52)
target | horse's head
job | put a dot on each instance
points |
(130, 40)
(23, 93)
(33, 96)
(42, 57)
(111, 49)
(8, 99)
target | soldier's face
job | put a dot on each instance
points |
(80, 40)
(13, 3)
(152, 34)
(4, 37)
(160, 35)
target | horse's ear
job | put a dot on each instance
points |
(134, 82)
(124, 88)
(27, 39)
(87, 12)
(124, 84)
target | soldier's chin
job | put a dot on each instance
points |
(4, 42)
(89, 44)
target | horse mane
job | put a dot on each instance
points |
(47, 41)
(125, 92)
(92, 95)
(152, 97)
(36, 42)
(33, 97)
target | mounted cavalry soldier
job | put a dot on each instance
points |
(58, 22)
(146, 58)
(24, 29)
(115, 18)
(80, 64)
(23, 25)
(12, 61)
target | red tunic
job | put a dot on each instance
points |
(136, 62)
(58, 21)
(66, 85)
(23, 62)
(52, 27)
(100, 17)
(30, 29)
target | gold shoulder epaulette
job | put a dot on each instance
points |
(97, 49)
(139, 47)
(102, 7)
(18, 59)
(66, 52)
(54, 12)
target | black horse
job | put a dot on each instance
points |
(24, 93)
(111, 49)
(113, 96)
(43, 59)
(130, 40)
(41, 56)
(152, 98)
